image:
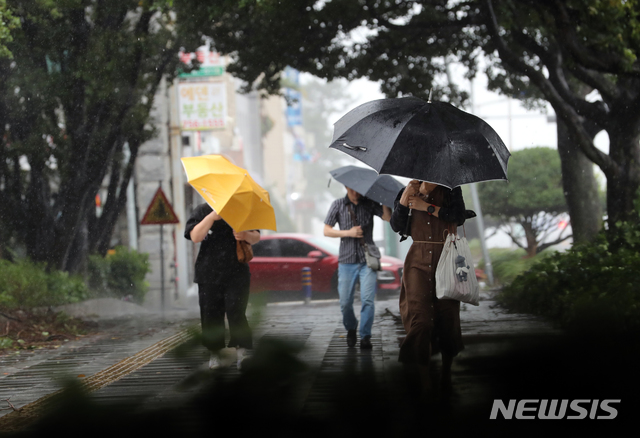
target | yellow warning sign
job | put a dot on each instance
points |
(159, 211)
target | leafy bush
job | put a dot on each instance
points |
(5, 343)
(120, 274)
(25, 285)
(507, 263)
(589, 287)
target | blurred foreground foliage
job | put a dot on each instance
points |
(592, 286)
(26, 285)
(120, 274)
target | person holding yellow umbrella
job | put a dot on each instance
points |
(236, 208)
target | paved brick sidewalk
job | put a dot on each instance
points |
(27, 377)
(491, 336)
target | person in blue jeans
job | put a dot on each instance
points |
(354, 216)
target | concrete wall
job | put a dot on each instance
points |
(153, 169)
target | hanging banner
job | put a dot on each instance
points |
(202, 105)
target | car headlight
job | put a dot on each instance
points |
(386, 265)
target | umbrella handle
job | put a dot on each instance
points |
(354, 148)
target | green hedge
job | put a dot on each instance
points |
(25, 285)
(507, 263)
(120, 274)
(589, 287)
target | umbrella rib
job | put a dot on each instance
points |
(388, 152)
(449, 152)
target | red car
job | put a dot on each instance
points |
(279, 258)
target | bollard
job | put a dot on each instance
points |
(306, 284)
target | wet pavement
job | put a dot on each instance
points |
(147, 361)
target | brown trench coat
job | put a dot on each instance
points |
(432, 325)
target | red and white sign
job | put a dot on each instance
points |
(205, 57)
(211, 63)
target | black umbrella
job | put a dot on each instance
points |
(380, 188)
(428, 141)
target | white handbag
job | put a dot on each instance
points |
(455, 274)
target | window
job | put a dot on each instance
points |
(295, 248)
(266, 248)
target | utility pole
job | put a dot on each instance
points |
(488, 267)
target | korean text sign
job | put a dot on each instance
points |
(203, 106)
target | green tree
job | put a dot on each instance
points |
(549, 50)
(533, 199)
(7, 23)
(75, 98)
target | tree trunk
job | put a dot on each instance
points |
(73, 212)
(530, 236)
(77, 261)
(37, 226)
(101, 229)
(623, 184)
(621, 193)
(580, 188)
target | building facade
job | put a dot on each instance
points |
(203, 113)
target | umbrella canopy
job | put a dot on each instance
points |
(367, 182)
(231, 192)
(428, 141)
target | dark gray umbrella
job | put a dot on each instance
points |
(428, 141)
(380, 188)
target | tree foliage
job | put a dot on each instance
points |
(533, 199)
(537, 49)
(8, 22)
(75, 108)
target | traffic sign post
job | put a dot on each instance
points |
(160, 212)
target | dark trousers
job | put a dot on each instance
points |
(228, 296)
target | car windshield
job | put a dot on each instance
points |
(329, 246)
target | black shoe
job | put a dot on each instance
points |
(351, 338)
(365, 343)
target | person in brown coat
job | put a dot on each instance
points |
(432, 325)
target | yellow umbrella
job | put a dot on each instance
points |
(231, 192)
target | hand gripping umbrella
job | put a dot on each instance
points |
(231, 192)
(428, 141)
(367, 182)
